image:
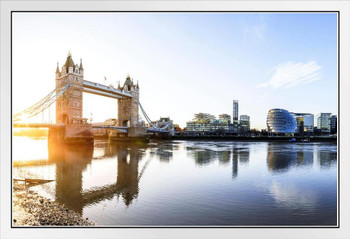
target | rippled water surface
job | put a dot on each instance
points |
(187, 182)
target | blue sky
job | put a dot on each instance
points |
(184, 63)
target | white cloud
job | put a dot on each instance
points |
(292, 74)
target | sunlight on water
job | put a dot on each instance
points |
(23, 145)
(187, 182)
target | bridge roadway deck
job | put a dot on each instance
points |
(120, 129)
(102, 90)
(124, 129)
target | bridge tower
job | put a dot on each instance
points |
(69, 107)
(128, 108)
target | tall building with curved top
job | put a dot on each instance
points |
(280, 121)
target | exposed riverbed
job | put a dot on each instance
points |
(31, 209)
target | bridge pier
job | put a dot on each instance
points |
(135, 132)
(72, 134)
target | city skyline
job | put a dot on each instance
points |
(184, 63)
(315, 117)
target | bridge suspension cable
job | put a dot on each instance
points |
(146, 116)
(41, 105)
(150, 121)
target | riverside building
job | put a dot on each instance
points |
(323, 122)
(333, 123)
(281, 122)
(305, 123)
(235, 111)
(225, 117)
(244, 124)
(207, 122)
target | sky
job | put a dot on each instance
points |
(185, 63)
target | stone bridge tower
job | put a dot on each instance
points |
(128, 108)
(69, 107)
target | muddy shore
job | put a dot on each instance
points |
(31, 209)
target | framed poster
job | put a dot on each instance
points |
(169, 119)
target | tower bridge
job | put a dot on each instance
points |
(68, 95)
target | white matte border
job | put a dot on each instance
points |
(344, 118)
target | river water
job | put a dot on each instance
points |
(187, 183)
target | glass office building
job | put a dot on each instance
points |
(323, 122)
(244, 123)
(235, 111)
(308, 123)
(281, 121)
(333, 123)
(305, 122)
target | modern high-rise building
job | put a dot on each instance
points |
(333, 123)
(235, 111)
(323, 122)
(244, 123)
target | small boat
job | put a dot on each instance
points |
(292, 140)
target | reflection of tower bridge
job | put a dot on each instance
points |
(71, 161)
(70, 125)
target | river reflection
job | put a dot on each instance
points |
(205, 153)
(163, 150)
(190, 182)
(72, 161)
(281, 157)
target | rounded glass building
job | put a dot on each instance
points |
(281, 121)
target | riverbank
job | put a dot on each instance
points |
(31, 209)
